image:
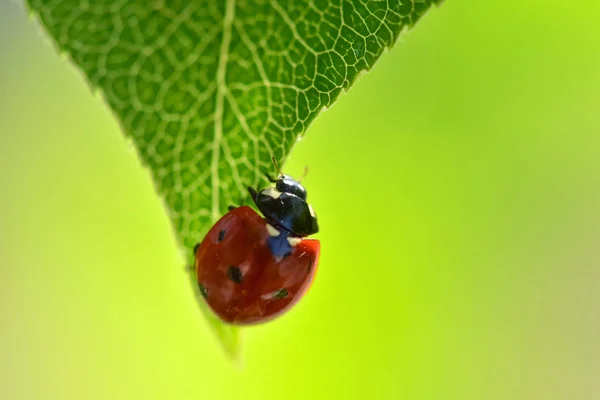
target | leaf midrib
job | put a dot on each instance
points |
(219, 102)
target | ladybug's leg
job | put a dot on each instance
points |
(279, 245)
(253, 193)
(270, 179)
(191, 266)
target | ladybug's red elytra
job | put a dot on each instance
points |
(252, 269)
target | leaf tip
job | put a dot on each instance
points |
(228, 336)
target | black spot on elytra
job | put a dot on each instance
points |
(196, 248)
(235, 274)
(203, 290)
(280, 294)
(310, 265)
(221, 235)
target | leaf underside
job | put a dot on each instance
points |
(209, 90)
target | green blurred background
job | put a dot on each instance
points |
(458, 191)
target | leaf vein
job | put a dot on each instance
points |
(219, 105)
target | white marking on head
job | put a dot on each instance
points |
(294, 241)
(272, 230)
(312, 212)
(271, 192)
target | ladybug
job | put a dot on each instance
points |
(252, 268)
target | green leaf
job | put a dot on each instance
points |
(209, 90)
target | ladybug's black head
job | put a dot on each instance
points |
(285, 206)
(287, 184)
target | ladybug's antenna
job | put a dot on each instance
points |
(276, 165)
(304, 174)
